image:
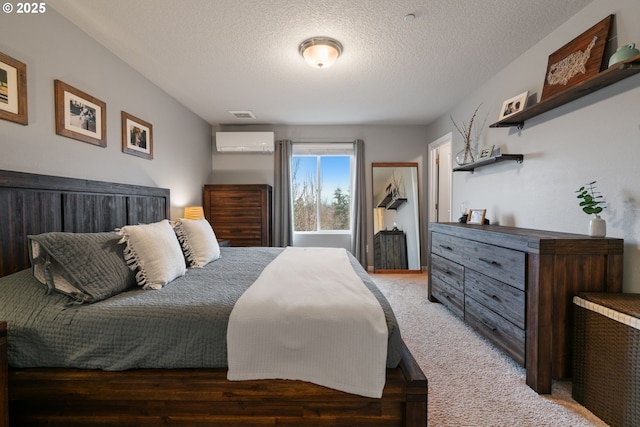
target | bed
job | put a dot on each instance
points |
(194, 395)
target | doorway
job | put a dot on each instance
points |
(440, 170)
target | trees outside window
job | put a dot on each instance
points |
(321, 192)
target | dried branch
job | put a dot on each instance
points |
(466, 133)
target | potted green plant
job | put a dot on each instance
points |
(592, 203)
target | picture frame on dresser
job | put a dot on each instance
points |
(476, 216)
(13, 90)
(137, 136)
(79, 115)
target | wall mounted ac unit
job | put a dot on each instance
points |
(245, 142)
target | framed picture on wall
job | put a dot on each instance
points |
(577, 60)
(13, 90)
(79, 115)
(137, 136)
(476, 216)
(513, 105)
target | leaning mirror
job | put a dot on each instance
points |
(396, 231)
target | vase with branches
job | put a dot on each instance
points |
(466, 131)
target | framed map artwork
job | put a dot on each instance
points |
(578, 60)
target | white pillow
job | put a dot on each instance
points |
(198, 241)
(154, 250)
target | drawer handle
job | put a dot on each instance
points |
(493, 296)
(488, 261)
(487, 324)
(449, 248)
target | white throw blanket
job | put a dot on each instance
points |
(310, 317)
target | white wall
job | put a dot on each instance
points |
(594, 138)
(382, 144)
(53, 48)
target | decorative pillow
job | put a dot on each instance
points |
(88, 267)
(198, 241)
(153, 250)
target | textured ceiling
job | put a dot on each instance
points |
(220, 55)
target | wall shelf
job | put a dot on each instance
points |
(605, 78)
(390, 203)
(384, 202)
(470, 167)
(395, 204)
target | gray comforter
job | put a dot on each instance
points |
(183, 325)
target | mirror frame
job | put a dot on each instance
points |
(417, 215)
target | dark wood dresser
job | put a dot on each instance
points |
(240, 213)
(4, 373)
(515, 287)
(390, 250)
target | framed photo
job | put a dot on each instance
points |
(137, 136)
(13, 90)
(79, 115)
(578, 60)
(513, 105)
(485, 152)
(476, 216)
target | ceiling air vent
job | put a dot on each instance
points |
(243, 115)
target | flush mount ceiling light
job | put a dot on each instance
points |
(320, 52)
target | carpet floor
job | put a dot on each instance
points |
(471, 382)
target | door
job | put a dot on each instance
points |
(440, 170)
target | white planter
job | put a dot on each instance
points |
(597, 227)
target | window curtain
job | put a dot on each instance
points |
(283, 224)
(358, 211)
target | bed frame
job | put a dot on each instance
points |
(31, 204)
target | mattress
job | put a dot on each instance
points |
(182, 325)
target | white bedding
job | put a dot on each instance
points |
(310, 317)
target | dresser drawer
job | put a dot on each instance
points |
(503, 299)
(450, 297)
(235, 214)
(496, 329)
(226, 199)
(244, 235)
(448, 272)
(449, 247)
(506, 265)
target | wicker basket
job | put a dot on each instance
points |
(606, 362)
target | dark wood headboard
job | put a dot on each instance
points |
(33, 204)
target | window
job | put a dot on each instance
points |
(321, 176)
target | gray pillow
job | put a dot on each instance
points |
(88, 267)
